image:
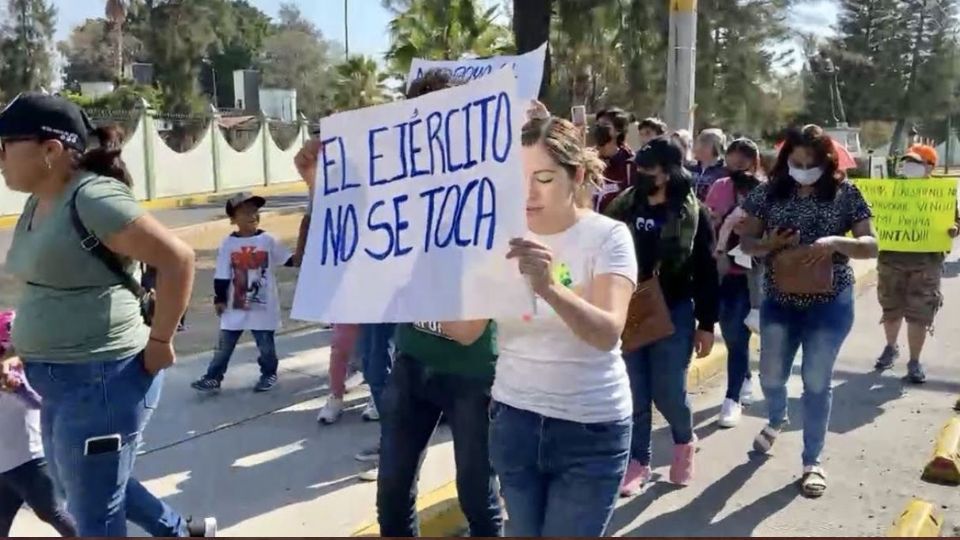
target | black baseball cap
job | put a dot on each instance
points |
(660, 151)
(240, 198)
(46, 117)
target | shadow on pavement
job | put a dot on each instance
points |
(857, 401)
(696, 518)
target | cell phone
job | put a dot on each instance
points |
(578, 115)
(104, 444)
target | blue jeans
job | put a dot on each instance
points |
(268, 360)
(31, 483)
(820, 330)
(559, 478)
(375, 342)
(734, 308)
(658, 375)
(97, 399)
(413, 401)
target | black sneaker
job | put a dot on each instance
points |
(204, 384)
(204, 528)
(915, 372)
(887, 358)
(265, 383)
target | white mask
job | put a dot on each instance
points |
(806, 177)
(913, 170)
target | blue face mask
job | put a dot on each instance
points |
(806, 177)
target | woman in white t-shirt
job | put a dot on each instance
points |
(561, 417)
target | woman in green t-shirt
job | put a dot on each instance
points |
(80, 335)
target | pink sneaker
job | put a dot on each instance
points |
(681, 470)
(633, 481)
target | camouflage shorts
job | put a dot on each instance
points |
(910, 291)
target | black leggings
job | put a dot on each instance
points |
(30, 483)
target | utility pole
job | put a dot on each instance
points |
(681, 64)
(346, 30)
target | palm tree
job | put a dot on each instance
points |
(116, 12)
(444, 29)
(360, 83)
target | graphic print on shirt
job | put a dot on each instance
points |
(432, 328)
(561, 274)
(249, 276)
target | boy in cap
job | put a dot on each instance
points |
(908, 286)
(245, 292)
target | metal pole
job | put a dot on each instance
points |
(681, 64)
(346, 31)
(946, 158)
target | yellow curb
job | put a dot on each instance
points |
(918, 519)
(439, 512)
(944, 466)
(186, 201)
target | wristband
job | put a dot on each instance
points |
(162, 342)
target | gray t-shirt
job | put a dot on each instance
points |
(72, 307)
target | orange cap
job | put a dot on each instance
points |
(923, 153)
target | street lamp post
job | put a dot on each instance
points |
(346, 30)
(681, 64)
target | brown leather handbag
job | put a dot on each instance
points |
(794, 274)
(648, 318)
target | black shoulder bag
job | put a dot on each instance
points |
(92, 245)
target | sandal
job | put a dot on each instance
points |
(813, 482)
(763, 442)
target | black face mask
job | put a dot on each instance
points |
(602, 135)
(646, 184)
(744, 181)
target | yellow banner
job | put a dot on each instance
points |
(912, 215)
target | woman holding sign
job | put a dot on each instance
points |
(798, 221)
(561, 417)
(908, 285)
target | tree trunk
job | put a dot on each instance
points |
(895, 142)
(531, 28)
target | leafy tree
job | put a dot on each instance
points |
(444, 29)
(178, 35)
(90, 56)
(359, 84)
(297, 56)
(25, 45)
(116, 13)
(242, 46)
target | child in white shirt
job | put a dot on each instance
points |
(246, 292)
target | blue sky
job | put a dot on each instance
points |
(368, 19)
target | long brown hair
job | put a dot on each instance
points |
(104, 158)
(564, 143)
(816, 140)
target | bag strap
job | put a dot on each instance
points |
(92, 245)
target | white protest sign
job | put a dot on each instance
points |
(414, 207)
(527, 67)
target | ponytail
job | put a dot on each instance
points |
(104, 158)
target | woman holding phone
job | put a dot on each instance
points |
(798, 221)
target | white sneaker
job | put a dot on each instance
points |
(730, 414)
(371, 414)
(331, 411)
(746, 392)
(753, 321)
(369, 475)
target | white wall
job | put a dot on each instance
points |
(192, 172)
(240, 169)
(134, 156)
(282, 169)
(183, 174)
